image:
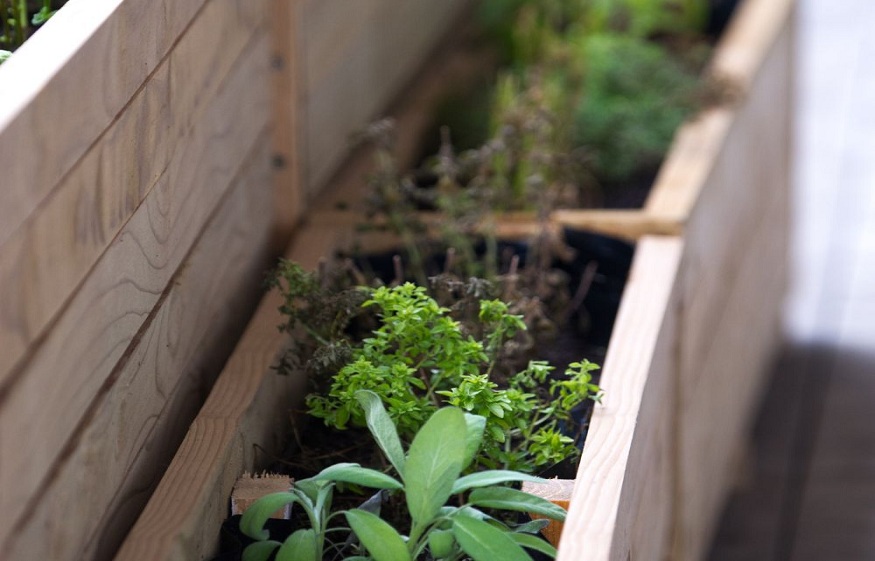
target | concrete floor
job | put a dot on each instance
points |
(811, 494)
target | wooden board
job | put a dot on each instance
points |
(107, 48)
(621, 506)
(756, 31)
(134, 428)
(358, 56)
(734, 277)
(78, 358)
(48, 257)
(288, 142)
(248, 406)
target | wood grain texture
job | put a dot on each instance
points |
(49, 256)
(80, 353)
(67, 84)
(247, 406)
(734, 278)
(358, 57)
(136, 424)
(621, 501)
(288, 145)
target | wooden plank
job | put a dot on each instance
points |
(621, 503)
(48, 257)
(717, 412)
(80, 353)
(752, 168)
(736, 64)
(116, 458)
(182, 518)
(735, 275)
(358, 57)
(68, 83)
(454, 63)
(627, 224)
(286, 62)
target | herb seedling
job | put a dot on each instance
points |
(429, 474)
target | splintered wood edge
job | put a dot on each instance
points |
(249, 488)
(596, 514)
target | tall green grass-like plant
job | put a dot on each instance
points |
(428, 474)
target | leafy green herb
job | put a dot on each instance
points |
(431, 474)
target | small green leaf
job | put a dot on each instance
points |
(510, 499)
(379, 538)
(532, 526)
(440, 543)
(357, 475)
(260, 551)
(491, 477)
(300, 546)
(474, 438)
(534, 542)
(434, 463)
(484, 542)
(382, 427)
(252, 521)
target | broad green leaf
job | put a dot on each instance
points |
(491, 477)
(532, 526)
(357, 475)
(434, 463)
(382, 427)
(475, 425)
(260, 551)
(379, 538)
(309, 488)
(252, 521)
(440, 543)
(534, 542)
(484, 542)
(300, 546)
(510, 499)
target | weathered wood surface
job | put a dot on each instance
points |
(131, 431)
(734, 279)
(246, 408)
(134, 222)
(621, 505)
(78, 356)
(140, 153)
(357, 57)
(97, 52)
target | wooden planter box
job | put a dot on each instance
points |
(695, 333)
(143, 146)
(151, 155)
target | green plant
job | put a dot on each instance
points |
(419, 358)
(430, 474)
(17, 26)
(636, 96)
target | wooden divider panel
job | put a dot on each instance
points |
(358, 55)
(134, 428)
(734, 277)
(248, 406)
(68, 83)
(55, 391)
(47, 258)
(621, 506)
